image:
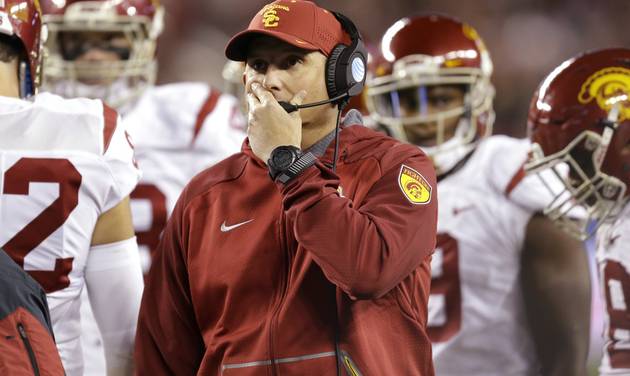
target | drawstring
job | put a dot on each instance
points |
(337, 350)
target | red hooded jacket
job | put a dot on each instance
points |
(256, 278)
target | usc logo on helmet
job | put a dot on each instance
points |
(21, 11)
(608, 87)
(471, 33)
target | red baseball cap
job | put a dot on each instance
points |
(298, 22)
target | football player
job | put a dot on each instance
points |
(106, 49)
(66, 170)
(579, 123)
(502, 276)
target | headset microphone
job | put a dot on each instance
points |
(290, 107)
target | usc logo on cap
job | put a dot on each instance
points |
(608, 87)
(414, 186)
(270, 16)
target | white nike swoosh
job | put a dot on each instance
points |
(225, 228)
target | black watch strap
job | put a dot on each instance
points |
(305, 161)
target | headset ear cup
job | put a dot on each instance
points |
(332, 71)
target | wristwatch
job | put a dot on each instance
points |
(287, 162)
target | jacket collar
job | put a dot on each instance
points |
(324, 148)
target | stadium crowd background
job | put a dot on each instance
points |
(526, 39)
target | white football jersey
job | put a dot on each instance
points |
(179, 130)
(63, 163)
(613, 258)
(477, 322)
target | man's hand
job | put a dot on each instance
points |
(269, 125)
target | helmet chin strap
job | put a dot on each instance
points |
(448, 153)
(26, 83)
(611, 124)
(398, 131)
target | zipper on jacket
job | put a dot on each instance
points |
(284, 285)
(29, 348)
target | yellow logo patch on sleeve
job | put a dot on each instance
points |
(414, 186)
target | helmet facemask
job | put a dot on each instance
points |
(584, 197)
(87, 25)
(401, 102)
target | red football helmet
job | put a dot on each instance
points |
(579, 124)
(22, 19)
(137, 22)
(417, 54)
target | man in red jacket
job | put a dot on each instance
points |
(314, 270)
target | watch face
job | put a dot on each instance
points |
(283, 158)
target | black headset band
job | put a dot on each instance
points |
(349, 27)
(342, 65)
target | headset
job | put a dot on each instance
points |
(345, 69)
(345, 75)
(346, 65)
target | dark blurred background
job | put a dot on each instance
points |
(526, 38)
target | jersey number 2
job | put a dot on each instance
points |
(16, 182)
(447, 284)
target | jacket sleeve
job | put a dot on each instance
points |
(365, 250)
(168, 340)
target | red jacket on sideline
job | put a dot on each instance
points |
(255, 278)
(27, 345)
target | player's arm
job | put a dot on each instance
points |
(556, 286)
(114, 280)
